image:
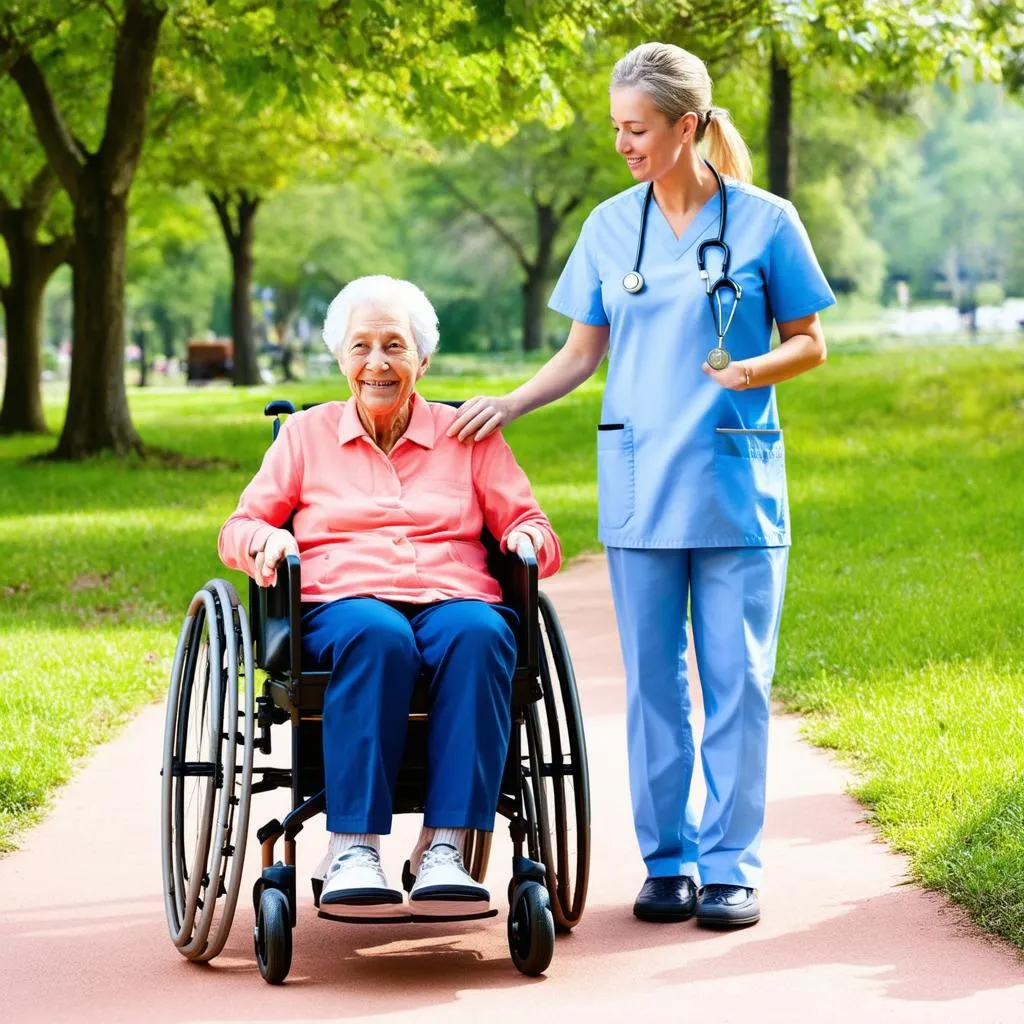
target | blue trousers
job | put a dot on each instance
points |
(375, 652)
(736, 599)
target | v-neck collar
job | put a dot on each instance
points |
(707, 216)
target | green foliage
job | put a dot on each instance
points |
(949, 210)
(314, 238)
(176, 263)
(851, 260)
(843, 143)
(21, 159)
(887, 41)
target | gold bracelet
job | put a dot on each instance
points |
(746, 376)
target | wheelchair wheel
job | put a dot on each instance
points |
(207, 771)
(272, 936)
(559, 777)
(531, 929)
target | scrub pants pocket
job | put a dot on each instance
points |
(750, 478)
(616, 474)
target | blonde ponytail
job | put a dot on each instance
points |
(679, 83)
(725, 146)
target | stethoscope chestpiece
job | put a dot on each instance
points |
(633, 282)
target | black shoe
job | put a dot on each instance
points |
(666, 899)
(727, 906)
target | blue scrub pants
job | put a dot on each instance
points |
(736, 599)
(375, 652)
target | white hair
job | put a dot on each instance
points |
(382, 292)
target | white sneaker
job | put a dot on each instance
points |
(356, 886)
(444, 888)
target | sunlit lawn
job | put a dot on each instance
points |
(904, 628)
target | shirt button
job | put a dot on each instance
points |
(397, 540)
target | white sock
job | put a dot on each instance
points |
(339, 842)
(451, 837)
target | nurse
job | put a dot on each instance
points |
(691, 471)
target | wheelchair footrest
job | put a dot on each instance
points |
(344, 919)
(435, 919)
(410, 919)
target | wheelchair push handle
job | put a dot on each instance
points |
(278, 406)
(525, 552)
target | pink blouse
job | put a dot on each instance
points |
(403, 526)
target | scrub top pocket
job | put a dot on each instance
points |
(616, 474)
(750, 481)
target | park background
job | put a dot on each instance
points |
(178, 172)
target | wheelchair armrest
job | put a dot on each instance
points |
(517, 572)
(276, 616)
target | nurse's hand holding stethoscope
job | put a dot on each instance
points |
(735, 377)
(479, 417)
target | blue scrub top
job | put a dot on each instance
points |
(682, 461)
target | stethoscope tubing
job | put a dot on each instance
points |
(633, 281)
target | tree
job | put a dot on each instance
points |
(950, 208)
(269, 53)
(461, 65)
(525, 192)
(240, 157)
(316, 236)
(532, 180)
(98, 181)
(884, 47)
(34, 230)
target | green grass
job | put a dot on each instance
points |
(904, 626)
(903, 637)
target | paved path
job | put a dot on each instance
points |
(83, 938)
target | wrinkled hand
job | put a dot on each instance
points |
(533, 534)
(479, 417)
(278, 546)
(732, 377)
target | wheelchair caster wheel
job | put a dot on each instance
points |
(531, 929)
(272, 936)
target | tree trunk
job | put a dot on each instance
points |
(780, 128)
(32, 265)
(534, 295)
(247, 371)
(98, 416)
(22, 411)
(237, 214)
(537, 274)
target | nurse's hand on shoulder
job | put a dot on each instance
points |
(479, 417)
(732, 377)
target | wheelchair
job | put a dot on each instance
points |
(216, 723)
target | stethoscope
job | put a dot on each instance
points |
(633, 281)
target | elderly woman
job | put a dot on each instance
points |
(388, 513)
